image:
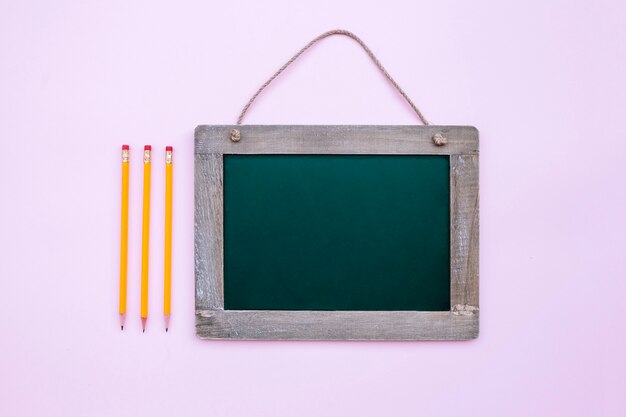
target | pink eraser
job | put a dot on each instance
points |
(147, 148)
(169, 148)
(125, 147)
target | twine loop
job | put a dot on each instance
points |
(310, 44)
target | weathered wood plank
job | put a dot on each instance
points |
(209, 224)
(294, 139)
(464, 232)
(335, 325)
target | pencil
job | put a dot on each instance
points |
(167, 279)
(124, 235)
(145, 234)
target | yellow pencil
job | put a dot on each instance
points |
(167, 279)
(124, 235)
(145, 235)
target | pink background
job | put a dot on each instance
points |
(542, 80)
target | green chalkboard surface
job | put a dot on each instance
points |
(337, 232)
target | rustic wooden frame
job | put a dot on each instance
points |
(213, 322)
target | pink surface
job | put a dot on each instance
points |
(543, 81)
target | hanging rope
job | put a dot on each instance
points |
(313, 42)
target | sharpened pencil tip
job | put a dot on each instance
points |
(143, 331)
(166, 330)
(122, 327)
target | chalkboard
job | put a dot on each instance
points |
(336, 232)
